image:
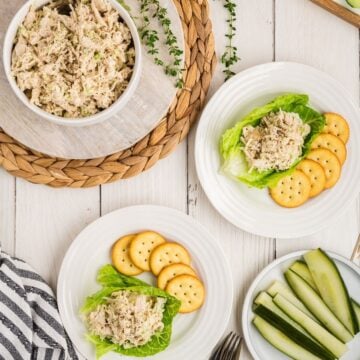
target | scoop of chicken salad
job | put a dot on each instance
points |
(73, 64)
(128, 316)
(269, 142)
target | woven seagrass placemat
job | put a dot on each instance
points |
(200, 61)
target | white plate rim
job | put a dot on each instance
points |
(77, 242)
(202, 175)
(265, 271)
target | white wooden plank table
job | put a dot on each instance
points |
(38, 223)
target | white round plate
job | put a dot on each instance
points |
(259, 348)
(252, 209)
(194, 335)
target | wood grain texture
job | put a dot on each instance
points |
(339, 11)
(165, 184)
(355, 256)
(7, 213)
(247, 253)
(307, 34)
(141, 114)
(47, 221)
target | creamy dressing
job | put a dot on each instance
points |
(127, 318)
(73, 65)
(276, 142)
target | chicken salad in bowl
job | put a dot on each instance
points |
(73, 62)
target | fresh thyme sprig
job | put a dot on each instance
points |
(230, 56)
(173, 69)
(150, 38)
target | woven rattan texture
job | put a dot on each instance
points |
(200, 61)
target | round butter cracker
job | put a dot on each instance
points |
(336, 125)
(332, 143)
(292, 190)
(121, 259)
(142, 246)
(316, 175)
(167, 254)
(330, 164)
(189, 290)
(171, 271)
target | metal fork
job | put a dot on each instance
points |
(228, 348)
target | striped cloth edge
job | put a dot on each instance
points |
(30, 324)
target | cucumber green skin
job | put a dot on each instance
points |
(329, 319)
(300, 267)
(304, 272)
(356, 307)
(281, 342)
(266, 300)
(353, 327)
(354, 3)
(280, 288)
(293, 334)
(317, 331)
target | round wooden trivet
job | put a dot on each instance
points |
(200, 61)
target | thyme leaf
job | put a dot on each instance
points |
(230, 57)
(149, 10)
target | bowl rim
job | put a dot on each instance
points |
(105, 114)
(247, 305)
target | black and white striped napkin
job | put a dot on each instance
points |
(30, 325)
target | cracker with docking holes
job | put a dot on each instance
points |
(121, 259)
(171, 271)
(336, 125)
(330, 164)
(189, 290)
(167, 254)
(316, 175)
(142, 246)
(292, 190)
(332, 143)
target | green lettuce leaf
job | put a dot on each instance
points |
(108, 276)
(112, 281)
(234, 161)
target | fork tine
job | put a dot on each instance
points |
(216, 354)
(237, 349)
(227, 344)
(232, 348)
(228, 348)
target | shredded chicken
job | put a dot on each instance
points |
(127, 318)
(276, 142)
(73, 65)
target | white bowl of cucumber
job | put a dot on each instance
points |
(304, 306)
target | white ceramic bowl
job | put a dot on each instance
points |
(259, 348)
(89, 120)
